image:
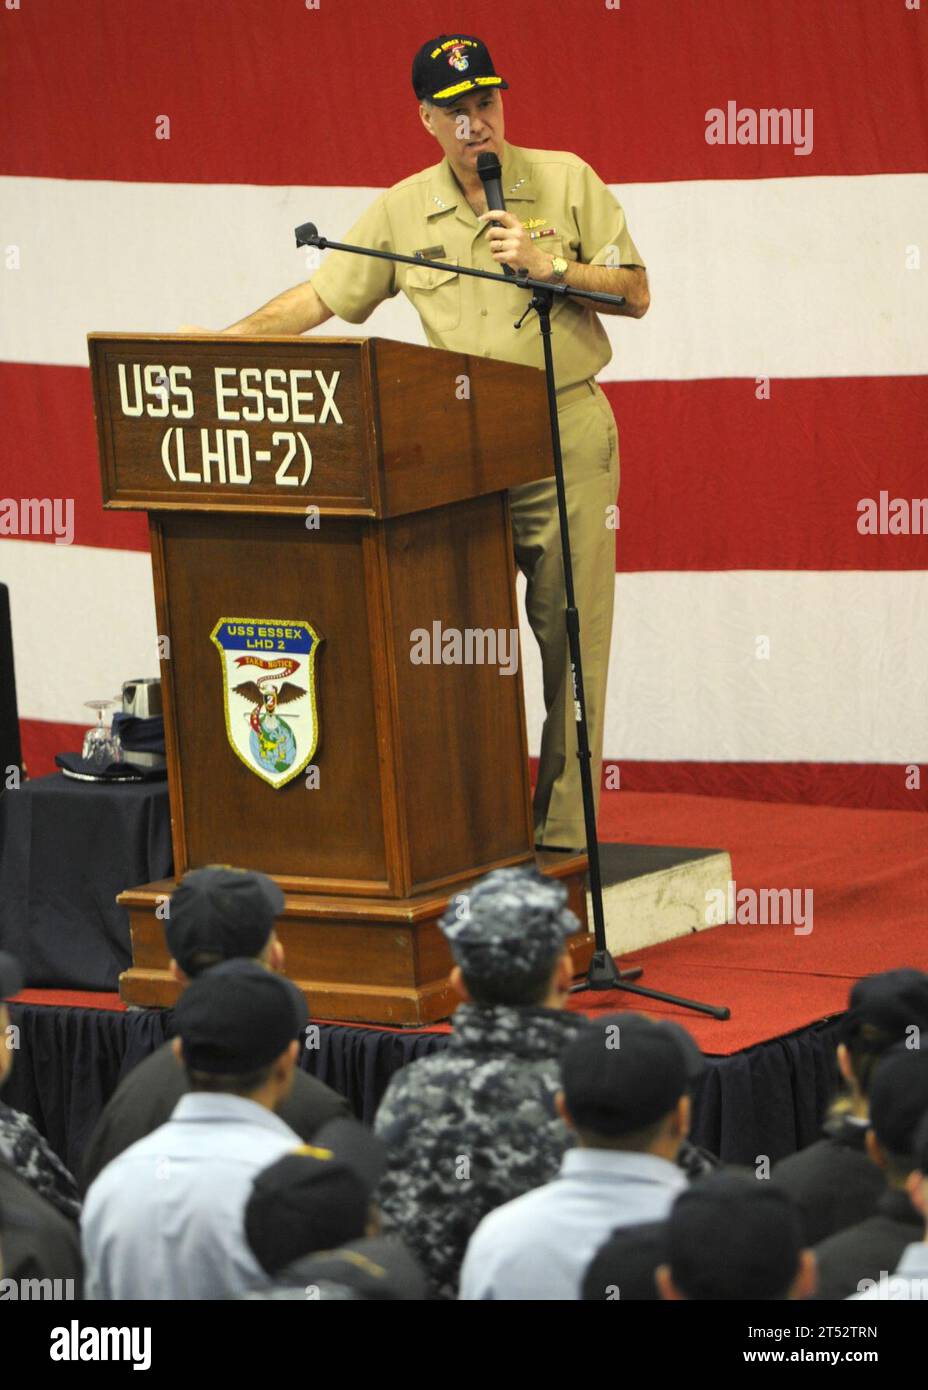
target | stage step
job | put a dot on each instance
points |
(654, 893)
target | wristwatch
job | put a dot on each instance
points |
(558, 269)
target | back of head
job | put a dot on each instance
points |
(884, 1009)
(219, 913)
(898, 1102)
(623, 1077)
(316, 1198)
(235, 1021)
(507, 934)
(624, 1267)
(730, 1236)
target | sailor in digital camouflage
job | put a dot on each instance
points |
(475, 1125)
(22, 1147)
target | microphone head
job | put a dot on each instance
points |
(488, 166)
(307, 234)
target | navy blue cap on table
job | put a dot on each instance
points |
(11, 975)
(315, 1198)
(238, 1017)
(624, 1072)
(221, 911)
(449, 66)
(899, 1097)
(511, 918)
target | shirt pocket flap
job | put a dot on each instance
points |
(425, 278)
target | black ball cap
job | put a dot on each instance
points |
(624, 1072)
(223, 911)
(11, 975)
(899, 1098)
(893, 1001)
(731, 1236)
(316, 1198)
(447, 68)
(238, 1017)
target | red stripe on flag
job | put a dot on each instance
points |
(50, 447)
(875, 786)
(273, 92)
(713, 478)
(878, 786)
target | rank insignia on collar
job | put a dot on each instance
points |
(268, 667)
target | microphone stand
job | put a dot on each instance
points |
(603, 972)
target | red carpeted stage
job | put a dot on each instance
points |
(771, 1065)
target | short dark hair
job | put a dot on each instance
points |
(519, 987)
(637, 1141)
(866, 1044)
(242, 1084)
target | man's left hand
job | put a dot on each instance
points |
(512, 245)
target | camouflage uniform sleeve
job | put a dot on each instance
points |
(24, 1149)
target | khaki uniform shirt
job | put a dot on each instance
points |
(429, 213)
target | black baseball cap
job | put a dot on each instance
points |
(448, 67)
(238, 1017)
(624, 1072)
(899, 1098)
(315, 1198)
(893, 1001)
(11, 975)
(730, 1236)
(624, 1267)
(221, 911)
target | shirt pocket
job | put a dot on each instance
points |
(435, 295)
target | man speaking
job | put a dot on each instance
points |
(561, 225)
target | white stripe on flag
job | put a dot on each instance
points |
(83, 622)
(846, 679)
(790, 277)
(687, 681)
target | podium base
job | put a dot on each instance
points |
(357, 960)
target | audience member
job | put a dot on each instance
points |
(625, 1094)
(36, 1241)
(735, 1237)
(473, 1126)
(833, 1182)
(908, 1281)
(22, 1147)
(314, 1228)
(625, 1267)
(166, 1218)
(214, 914)
(898, 1102)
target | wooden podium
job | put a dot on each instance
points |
(335, 597)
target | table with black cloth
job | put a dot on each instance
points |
(67, 849)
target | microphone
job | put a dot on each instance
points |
(490, 172)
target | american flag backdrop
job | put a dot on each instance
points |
(771, 633)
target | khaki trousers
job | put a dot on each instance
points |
(590, 447)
